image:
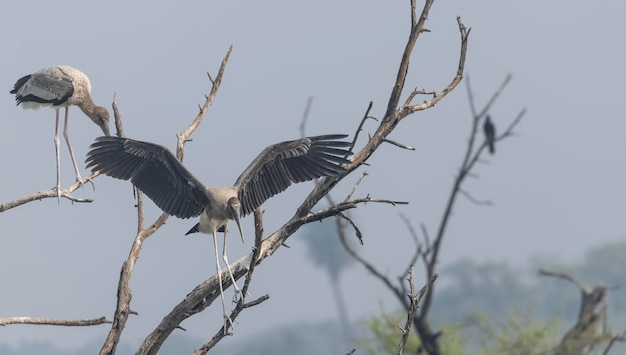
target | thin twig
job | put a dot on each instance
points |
(215, 85)
(117, 117)
(360, 128)
(387, 140)
(305, 116)
(342, 206)
(356, 184)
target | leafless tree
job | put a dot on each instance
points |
(590, 329)
(427, 249)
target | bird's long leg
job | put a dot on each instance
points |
(232, 277)
(69, 146)
(219, 278)
(57, 146)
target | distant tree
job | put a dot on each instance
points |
(326, 252)
(483, 303)
(489, 287)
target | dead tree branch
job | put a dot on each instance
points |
(586, 333)
(50, 321)
(122, 309)
(414, 300)
(50, 193)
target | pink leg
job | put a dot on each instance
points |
(219, 278)
(58, 155)
(69, 146)
(230, 272)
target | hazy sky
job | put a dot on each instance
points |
(557, 186)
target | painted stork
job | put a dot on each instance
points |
(61, 86)
(490, 134)
(157, 172)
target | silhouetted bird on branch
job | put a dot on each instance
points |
(490, 134)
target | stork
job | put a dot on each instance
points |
(61, 86)
(154, 170)
(490, 134)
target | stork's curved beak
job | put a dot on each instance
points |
(235, 210)
(105, 128)
(100, 116)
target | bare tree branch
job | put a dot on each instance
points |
(184, 137)
(305, 116)
(356, 184)
(360, 128)
(335, 209)
(414, 300)
(408, 109)
(119, 127)
(51, 193)
(565, 277)
(474, 200)
(50, 321)
(417, 26)
(387, 140)
(584, 335)
(618, 337)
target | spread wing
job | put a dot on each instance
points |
(280, 165)
(154, 170)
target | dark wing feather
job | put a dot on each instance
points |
(154, 170)
(44, 87)
(283, 164)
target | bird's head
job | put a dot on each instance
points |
(234, 208)
(100, 117)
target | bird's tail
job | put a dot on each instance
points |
(492, 147)
(194, 229)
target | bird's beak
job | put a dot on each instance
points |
(105, 128)
(236, 211)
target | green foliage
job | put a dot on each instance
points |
(385, 336)
(481, 334)
(495, 290)
(520, 335)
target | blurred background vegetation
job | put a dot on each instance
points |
(481, 308)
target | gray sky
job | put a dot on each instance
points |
(557, 186)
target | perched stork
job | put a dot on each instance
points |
(156, 172)
(61, 86)
(490, 134)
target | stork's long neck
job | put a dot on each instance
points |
(88, 107)
(99, 115)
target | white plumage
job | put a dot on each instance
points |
(61, 86)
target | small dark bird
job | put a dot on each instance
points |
(490, 134)
(157, 172)
(61, 86)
